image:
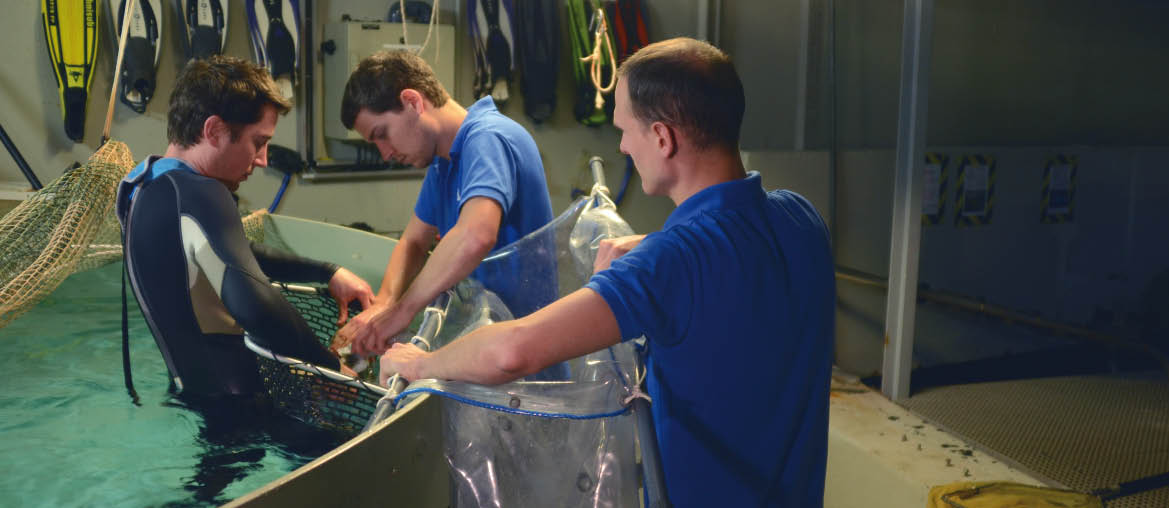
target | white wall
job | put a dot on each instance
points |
(32, 118)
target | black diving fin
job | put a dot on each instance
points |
(142, 50)
(71, 32)
(275, 28)
(204, 23)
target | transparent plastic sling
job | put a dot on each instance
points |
(564, 437)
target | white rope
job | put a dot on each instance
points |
(429, 29)
(637, 393)
(597, 60)
(402, 15)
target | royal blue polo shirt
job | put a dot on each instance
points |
(736, 298)
(492, 156)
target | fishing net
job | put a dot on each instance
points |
(68, 226)
(313, 395)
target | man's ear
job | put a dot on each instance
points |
(216, 131)
(666, 138)
(412, 99)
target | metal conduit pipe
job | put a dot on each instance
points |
(1010, 316)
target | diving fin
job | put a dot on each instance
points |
(275, 27)
(71, 32)
(538, 56)
(494, 44)
(205, 26)
(142, 50)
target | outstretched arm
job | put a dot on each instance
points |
(345, 286)
(406, 260)
(213, 239)
(455, 257)
(577, 324)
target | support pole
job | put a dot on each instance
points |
(900, 310)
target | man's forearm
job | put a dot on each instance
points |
(453, 259)
(479, 357)
(577, 324)
(285, 266)
(405, 263)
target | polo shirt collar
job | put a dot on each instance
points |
(730, 194)
(478, 109)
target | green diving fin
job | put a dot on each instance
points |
(71, 28)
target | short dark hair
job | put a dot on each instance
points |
(234, 89)
(690, 85)
(379, 79)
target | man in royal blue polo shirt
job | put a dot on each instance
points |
(735, 296)
(484, 189)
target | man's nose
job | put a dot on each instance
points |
(262, 157)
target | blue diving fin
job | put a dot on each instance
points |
(275, 28)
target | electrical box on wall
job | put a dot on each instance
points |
(345, 44)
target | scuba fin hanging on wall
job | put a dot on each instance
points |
(275, 27)
(204, 23)
(142, 49)
(538, 53)
(494, 44)
(71, 33)
(629, 26)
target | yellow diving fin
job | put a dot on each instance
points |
(71, 28)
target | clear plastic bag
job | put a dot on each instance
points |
(564, 437)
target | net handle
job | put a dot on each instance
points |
(105, 133)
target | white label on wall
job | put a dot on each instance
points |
(1061, 189)
(977, 182)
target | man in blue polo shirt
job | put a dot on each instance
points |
(735, 296)
(484, 189)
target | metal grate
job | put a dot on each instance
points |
(1084, 432)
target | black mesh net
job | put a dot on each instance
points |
(302, 392)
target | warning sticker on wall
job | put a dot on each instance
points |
(1059, 189)
(933, 200)
(975, 190)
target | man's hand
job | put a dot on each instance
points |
(401, 359)
(614, 248)
(370, 332)
(345, 286)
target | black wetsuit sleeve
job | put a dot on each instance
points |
(285, 266)
(216, 238)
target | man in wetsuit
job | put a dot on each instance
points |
(484, 189)
(737, 287)
(198, 279)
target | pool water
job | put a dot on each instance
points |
(70, 436)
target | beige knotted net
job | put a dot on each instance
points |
(66, 227)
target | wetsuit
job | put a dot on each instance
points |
(201, 283)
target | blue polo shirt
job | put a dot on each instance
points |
(494, 157)
(736, 298)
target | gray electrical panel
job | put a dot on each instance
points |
(355, 40)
